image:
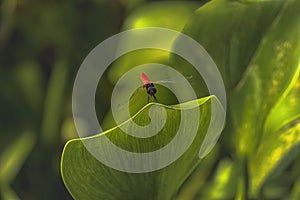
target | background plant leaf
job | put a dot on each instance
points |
(11, 161)
(280, 142)
(257, 52)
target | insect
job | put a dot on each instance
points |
(147, 84)
(151, 90)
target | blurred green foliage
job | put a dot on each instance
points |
(254, 43)
(42, 44)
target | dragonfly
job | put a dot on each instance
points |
(149, 86)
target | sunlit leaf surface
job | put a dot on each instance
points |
(87, 178)
(280, 140)
(256, 46)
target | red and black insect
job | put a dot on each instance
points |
(151, 90)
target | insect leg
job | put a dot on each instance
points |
(154, 98)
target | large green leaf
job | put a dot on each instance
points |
(268, 78)
(231, 32)
(277, 68)
(252, 53)
(256, 46)
(280, 140)
(87, 178)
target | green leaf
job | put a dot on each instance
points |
(268, 79)
(54, 103)
(14, 156)
(252, 54)
(278, 117)
(280, 141)
(274, 153)
(11, 161)
(87, 178)
(198, 179)
(286, 110)
(231, 31)
(296, 190)
(256, 46)
(172, 15)
(7, 193)
(232, 43)
(223, 184)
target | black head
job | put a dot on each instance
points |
(149, 85)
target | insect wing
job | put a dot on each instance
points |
(164, 81)
(172, 81)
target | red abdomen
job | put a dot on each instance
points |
(145, 78)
